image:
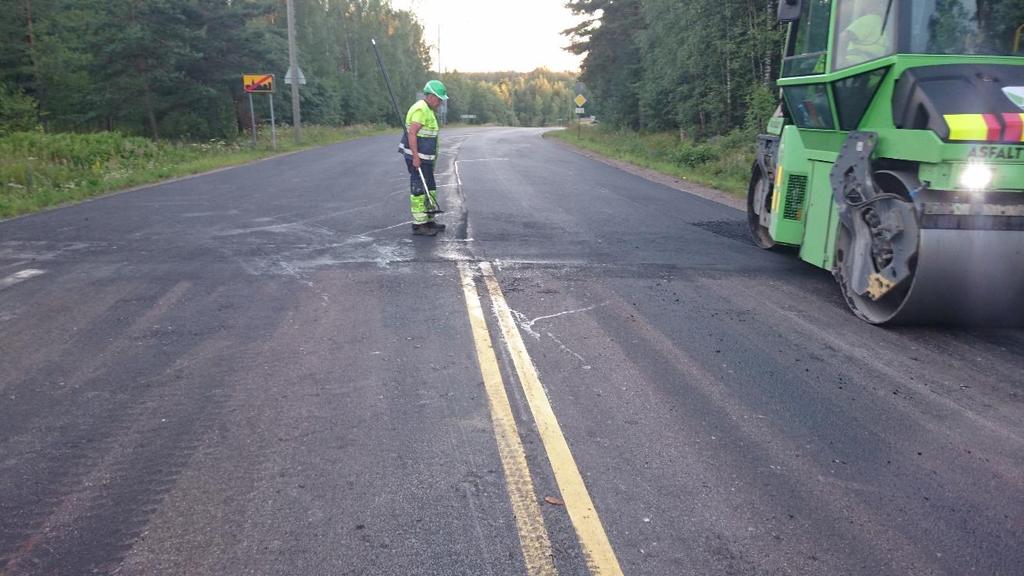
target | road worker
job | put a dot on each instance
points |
(868, 35)
(419, 145)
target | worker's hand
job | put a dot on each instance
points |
(416, 161)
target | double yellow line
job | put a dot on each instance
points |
(533, 536)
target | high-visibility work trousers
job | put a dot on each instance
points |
(417, 198)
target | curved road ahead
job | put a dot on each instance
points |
(260, 371)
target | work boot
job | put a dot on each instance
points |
(423, 230)
(436, 226)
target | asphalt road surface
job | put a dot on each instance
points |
(260, 371)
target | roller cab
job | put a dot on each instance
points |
(896, 159)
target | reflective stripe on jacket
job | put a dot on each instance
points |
(426, 139)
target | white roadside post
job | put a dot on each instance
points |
(252, 118)
(273, 124)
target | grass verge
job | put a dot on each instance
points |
(41, 170)
(722, 162)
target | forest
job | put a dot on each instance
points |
(708, 67)
(172, 68)
(538, 98)
(704, 67)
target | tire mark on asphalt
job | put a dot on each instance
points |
(118, 454)
(803, 479)
(871, 347)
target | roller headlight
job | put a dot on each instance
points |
(976, 177)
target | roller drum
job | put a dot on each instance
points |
(965, 277)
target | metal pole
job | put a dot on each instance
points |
(293, 63)
(252, 117)
(273, 124)
(387, 82)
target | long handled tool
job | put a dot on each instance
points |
(387, 81)
(432, 207)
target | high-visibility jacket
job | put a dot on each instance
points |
(867, 42)
(426, 139)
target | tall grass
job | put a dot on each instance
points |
(38, 170)
(721, 162)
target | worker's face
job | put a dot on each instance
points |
(433, 101)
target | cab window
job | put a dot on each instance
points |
(994, 27)
(807, 53)
(809, 106)
(865, 31)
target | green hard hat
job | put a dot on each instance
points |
(436, 88)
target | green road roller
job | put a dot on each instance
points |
(896, 158)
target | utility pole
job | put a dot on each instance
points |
(444, 104)
(293, 64)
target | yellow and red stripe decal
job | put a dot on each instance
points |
(986, 127)
(976, 127)
(1014, 127)
(994, 127)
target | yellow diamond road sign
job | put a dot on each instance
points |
(580, 100)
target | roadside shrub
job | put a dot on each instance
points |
(17, 111)
(205, 119)
(78, 150)
(761, 104)
(693, 155)
(721, 161)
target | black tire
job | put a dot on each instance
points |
(759, 233)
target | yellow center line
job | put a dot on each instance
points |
(597, 549)
(533, 536)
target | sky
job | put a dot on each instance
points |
(493, 35)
